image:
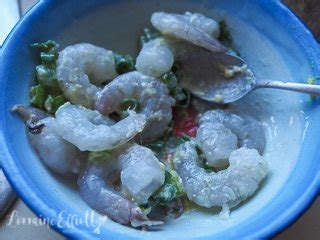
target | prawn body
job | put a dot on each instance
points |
(57, 154)
(220, 132)
(141, 175)
(194, 28)
(152, 95)
(90, 131)
(141, 172)
(81, 70)
(155, 58)
(226, 188)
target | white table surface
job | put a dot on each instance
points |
(306, 228)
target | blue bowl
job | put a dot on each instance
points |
(272, 40)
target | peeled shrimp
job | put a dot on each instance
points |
(226, 188)
(220, 132)
(152, 95)
(81, 70)
(89, 130)
(56, 153)
(141, 172)
(155, 58)
(194, 28)
(203, 23)
(141, 175)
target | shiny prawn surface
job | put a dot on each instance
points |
(226, 188)
(89, 130)
(141, 175)
(152, 95)
(81, 70)
(194, 28)
(57, 154)
(155, 58)
(203, 23)
(220, 132)
(141, 172)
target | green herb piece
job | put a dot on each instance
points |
(157, 145)
(148, 35)
(100, 156)
(181, 96)
(198, 149)
(167, 141)
(53, 103)
(46, 76)
(124, 63)
(49, 59)
(37, 96)
(173, 142)
(45, 73)
(185, 138)
(47, 79)
(225, 36)
(311, 81)
(171, 189)
(166, 194)
(145, 209)
(47, 47)
(180, 140)
(202, 159)
(170, 80)
(130, 104)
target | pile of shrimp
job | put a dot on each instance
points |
(121, 117)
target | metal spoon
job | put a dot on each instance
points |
(224, 78)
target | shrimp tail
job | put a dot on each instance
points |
(31, 116)
(27, 112)
(139, 219)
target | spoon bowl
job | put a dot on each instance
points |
(221, 77)
(217, 77)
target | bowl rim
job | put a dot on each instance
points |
(274, 8)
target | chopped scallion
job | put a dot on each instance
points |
(130, 104)
(124, 63)
(99, 156)
(53, 103)
(47, 47)
(37, 96)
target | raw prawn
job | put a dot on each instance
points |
(81, 70)
(226, 188)
(194, 28)
(141, 175)
(203, 23)
(220, 132)
(57, 154)
(89, 130)
(141, 172)
(155, 58)
(152, 95)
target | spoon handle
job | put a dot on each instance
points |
(291, 86)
